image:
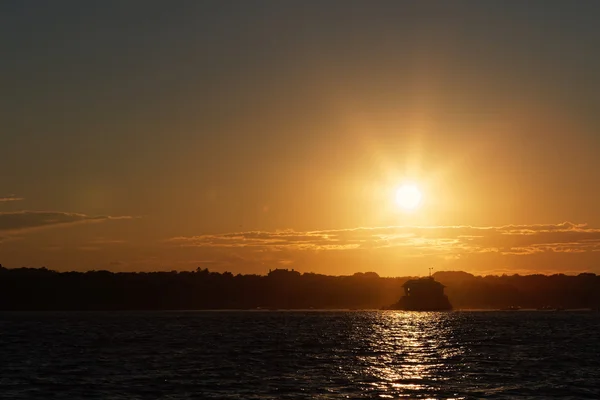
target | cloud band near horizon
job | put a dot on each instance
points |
(449, 241)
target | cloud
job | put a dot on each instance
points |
(105, 241)
(10, 198)
(515, 240)
(116, 263)
(20, 221)
(397, 250)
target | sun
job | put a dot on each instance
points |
(408, 197)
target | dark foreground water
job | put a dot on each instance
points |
(296, 355)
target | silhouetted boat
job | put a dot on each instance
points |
(423, 294)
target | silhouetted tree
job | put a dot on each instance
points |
(45, 289)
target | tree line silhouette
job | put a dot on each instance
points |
(45, 289)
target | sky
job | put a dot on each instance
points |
(246, 136)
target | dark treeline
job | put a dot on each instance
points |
(44, 289)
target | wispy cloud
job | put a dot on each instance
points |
(10, 198)
(20, 221)
(105, 241)
(565, 237)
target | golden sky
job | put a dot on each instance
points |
(259, 136)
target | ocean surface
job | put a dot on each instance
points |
(299, 355)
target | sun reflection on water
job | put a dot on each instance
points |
(407, 352)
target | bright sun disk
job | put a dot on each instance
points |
(408, 197)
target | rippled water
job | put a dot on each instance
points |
(295, 355)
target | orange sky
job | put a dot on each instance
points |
(250, 138)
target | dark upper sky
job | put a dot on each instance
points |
(202, 117)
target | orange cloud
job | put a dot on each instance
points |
(509, 240)
(397, 250)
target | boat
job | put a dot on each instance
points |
(422, 294)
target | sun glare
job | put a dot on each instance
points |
(408, 197)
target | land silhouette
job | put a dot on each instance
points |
(45, 289)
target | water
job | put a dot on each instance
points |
(299, 355)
